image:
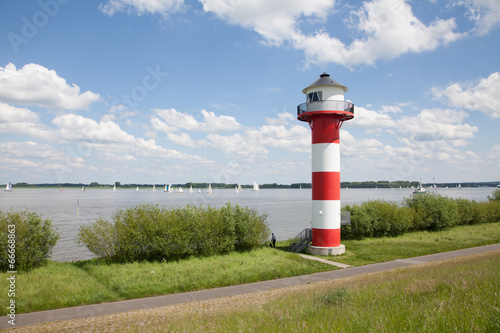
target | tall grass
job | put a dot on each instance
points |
(59, 285)
(458, 295)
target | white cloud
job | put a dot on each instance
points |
(494, 154)
(36, 85)
(29, 149)
(211, 123)
(436, 124)
(296, 138)
(389, 28)
(275, 20)
(485, 13)
(485, 96)
(23, 121)
(182, 139)
(236, 145)
(77, 128)
(283, 119)
(141, 6)
(371, 119)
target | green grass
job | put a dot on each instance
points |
(373, 250)
(458, 295)
(58, 285)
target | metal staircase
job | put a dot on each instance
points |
(304, 238)
(301, 241)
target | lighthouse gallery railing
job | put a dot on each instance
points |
(325, 105)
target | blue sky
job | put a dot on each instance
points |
(172, 91)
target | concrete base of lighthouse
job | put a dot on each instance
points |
(326, 251)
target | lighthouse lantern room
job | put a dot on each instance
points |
(325, 110)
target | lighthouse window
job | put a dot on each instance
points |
(314, 96)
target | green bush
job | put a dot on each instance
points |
(495, 195)
(33, 242)
(425, 211)
(100, 238)
(377, 219)
(433, 211)
(489, 211)
(148, 232)
(469, 212)
(361, 225)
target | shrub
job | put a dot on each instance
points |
(387, 218)
(377, 219)
(148, 232)
(495, 195)
(360, 223)
(469, 212)
(489, 211)
(432, 211)
(100, 238)
(34, 239)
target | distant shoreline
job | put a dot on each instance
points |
(364, 184)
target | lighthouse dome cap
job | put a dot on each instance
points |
(324, 80)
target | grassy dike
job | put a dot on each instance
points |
(58, 285)
(457, 295)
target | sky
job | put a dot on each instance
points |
(176, 91)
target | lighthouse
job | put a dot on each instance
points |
(325, 110)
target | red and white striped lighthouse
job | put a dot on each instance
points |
(325, 111)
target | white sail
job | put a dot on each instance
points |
(154, 188)
(83, 188)
(199, 190)
(236, 189)
(255, 187)
(180, 190)
(114, 187)
(8, 187)
(190, 189)
(165, 190)
(239, 188)
(137, 188)
(209, 190)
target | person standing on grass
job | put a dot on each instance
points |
(273, 240)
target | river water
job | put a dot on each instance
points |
(289, 210)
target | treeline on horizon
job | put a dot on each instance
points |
(363, 184)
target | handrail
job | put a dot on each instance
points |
(301, 240)
(325, 105)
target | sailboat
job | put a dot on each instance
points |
(165, 190)
(154, 188)
(199, 190)
(190, 189)
(239, 188)
(255, 187)
(114, 187)
(236, 189)
(137, 188)
(83, 188)
(180, 190)
(8, 187)
(209, 190)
